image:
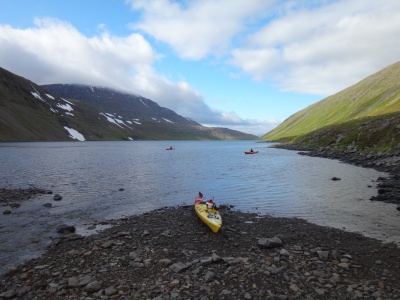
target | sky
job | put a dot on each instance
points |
(241, 64)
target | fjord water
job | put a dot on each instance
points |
(109, 180)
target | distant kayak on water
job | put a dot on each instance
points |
(170, 148)
(251, 152)
(208, 212)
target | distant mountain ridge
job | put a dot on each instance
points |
(375, 95)
(127, 106)
(29, 112)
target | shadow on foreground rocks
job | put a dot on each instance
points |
(170, 254)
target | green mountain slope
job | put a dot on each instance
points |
(375, 95)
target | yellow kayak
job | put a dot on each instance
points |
(207, 212)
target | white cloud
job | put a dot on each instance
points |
(55, 52)
(324, 49)
(196, 28)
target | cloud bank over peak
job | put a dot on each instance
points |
(54, 51)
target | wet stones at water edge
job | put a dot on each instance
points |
(16, 195)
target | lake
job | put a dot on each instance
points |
(109, 180)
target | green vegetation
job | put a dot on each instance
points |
(319, 124)
(365, 135)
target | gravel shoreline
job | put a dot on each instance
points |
(170, 254)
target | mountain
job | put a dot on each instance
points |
(376, 95)
(29, 112)
(112, 103)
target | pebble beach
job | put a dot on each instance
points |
(170, 254)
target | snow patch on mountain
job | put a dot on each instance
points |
(143, 102)
(66, 107)
(115, 120)
(74, 134)
(37, 96)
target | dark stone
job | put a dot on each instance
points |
(57, 197)
(65, 229)
(270, 242)
(6, 212)
(14, 205)
(336, 178)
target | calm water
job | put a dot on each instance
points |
(88, 175)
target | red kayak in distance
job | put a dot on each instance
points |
(170, 148)
(250, 152)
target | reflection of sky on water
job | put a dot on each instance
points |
(90, 175)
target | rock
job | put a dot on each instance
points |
(209, 276)
(93, 287)
(270, 242)
(335, 178)
(9, 294)
(85, 280)
(232, 261)
(110, 291)
(204, 261)
(7, 212)
(216, 258)
(284, 252)
(179, 267)
(247, 296)
(65, 229)
(57, 197)
(47, 205)
(165, 262)
(15, 205)
(107, 244)
(323, 255)
(73, 282)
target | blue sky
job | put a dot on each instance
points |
(246, 65)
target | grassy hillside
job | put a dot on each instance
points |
(376, 95)
(364, 135)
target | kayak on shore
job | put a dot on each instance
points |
(208, 212)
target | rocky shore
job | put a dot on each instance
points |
(170, 254)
